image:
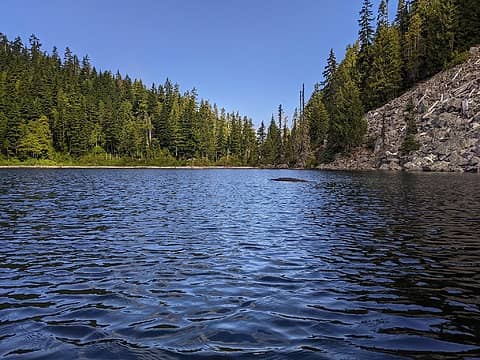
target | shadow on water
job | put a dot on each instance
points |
(140, 264)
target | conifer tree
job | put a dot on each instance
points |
(385, 79)
(249, 153)
(261, 137)
(317, 117)
(382, 17)
(365, 34)
(302, 140)
(347, 125)
(401, 18)
(414, 48)
(440, 27)
(328, 75)
(401, 23)
(221, 138)
(273, 144)
(365, 38)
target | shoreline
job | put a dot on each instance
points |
(153, 167)
(127, 167)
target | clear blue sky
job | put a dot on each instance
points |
(245, 55)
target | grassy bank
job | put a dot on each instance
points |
(94, 162)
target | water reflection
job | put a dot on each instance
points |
(188, 264)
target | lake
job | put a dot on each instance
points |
(227, 264)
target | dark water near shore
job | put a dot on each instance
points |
(145, 264)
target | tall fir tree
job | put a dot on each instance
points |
(317, 117)
(328, 74)
(273, 144)
(347, 125)
(366, 32)
(365, 39)
(385, 79)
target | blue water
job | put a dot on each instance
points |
(227, 264)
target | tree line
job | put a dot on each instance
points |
(63, 108)
(53, 108)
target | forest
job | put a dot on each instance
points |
(58, 109)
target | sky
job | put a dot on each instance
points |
(245, 55)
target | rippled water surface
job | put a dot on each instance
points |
(145, 264)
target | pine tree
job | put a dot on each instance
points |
(317, 117)
(261, 136)
(235, 135)
(439, 27)
(281, 150)
(385, 79)
(365, 38)
(347, 125)
(330, 69)
(328, 75)
(173, 126)
(414, 48)
(249, 155)
(280, 116)
(186, 139)
(382, 17)
(273, 144)
(401, 23)
(221, 136)
(302, 148)
(365, 34)
(401, 18)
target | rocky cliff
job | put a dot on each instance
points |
(433, 127)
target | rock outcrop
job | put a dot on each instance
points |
(445, 110)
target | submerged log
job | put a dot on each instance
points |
(289, 179)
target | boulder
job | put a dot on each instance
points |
(412, 166)
(475, 51)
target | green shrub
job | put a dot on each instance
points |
(457, 59)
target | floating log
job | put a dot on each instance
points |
(289, 179)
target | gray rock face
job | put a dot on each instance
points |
(447, 117)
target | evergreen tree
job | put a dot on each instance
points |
(261, 137)
(401, 23)
(249, 145)
(185, 139)
(221, 136)
(281, 123)
(439, 27)
(273, 144)
(317, 117)
(301, 146)
(347, 125)
(385, 79)
(414, 48)
(328, 75)
(401, 18)
(330, 69)
(365, 34)
(365, 38)
(382, 17)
